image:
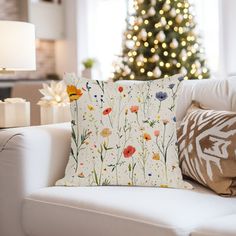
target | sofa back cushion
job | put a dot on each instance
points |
(213, 93)
(210, 93)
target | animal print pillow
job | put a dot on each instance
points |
(207, 148)
(123, 134)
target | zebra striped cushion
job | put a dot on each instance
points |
(207, 146)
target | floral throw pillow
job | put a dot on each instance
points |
(123, 134)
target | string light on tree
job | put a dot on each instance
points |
(161, 40)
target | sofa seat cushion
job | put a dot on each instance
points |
(225, 225)
(122, 211)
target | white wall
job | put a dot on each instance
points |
(71, 51)
(66, 50)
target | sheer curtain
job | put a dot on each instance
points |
(106, 24)
(207, 15)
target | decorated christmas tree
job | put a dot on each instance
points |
(160, 41)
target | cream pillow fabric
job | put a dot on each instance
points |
(123, 134)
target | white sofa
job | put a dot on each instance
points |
(33, 158)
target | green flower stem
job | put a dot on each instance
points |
(137, 119)
(110, 120)
(132, 171)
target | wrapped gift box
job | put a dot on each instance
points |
(14, 113)
(54, 114)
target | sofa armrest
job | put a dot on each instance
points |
(30, 158)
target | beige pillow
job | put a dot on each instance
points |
(207, 148)
(123, 134)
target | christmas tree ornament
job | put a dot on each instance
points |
(153, 2)
(198, 64)
(140, 58)
(166, 6)
(174, 44)
(163, 21)
(143, 34)
(183, 53)
(127, 70)
(151, 11)
(183, 71)
(179, 18)
(126, 59)
(138, 21)
(172, 13)
(154, 58)
(161, 36)
(174, 62)
(130, 44)
(157, 72)
(140, 1)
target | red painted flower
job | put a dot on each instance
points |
(120, 89)
(156, 133)
(134, 109)
(107, 111)
(129, 151)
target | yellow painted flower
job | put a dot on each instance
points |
(73, 93)
(90, 107)
(105, 132)
(158, 117)
(164, 186)
(156, 157)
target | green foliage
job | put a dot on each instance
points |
(89, 63)
(160, 41)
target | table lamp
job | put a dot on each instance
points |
(17, 53)
(17, 46)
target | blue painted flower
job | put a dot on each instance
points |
(181, 78)
(174, 119)
(161, 96)
(171, 86)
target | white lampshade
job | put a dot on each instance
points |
(17, 46)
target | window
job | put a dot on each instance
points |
(106, 24)
(207, 18)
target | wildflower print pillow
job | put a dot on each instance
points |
(123, 134)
